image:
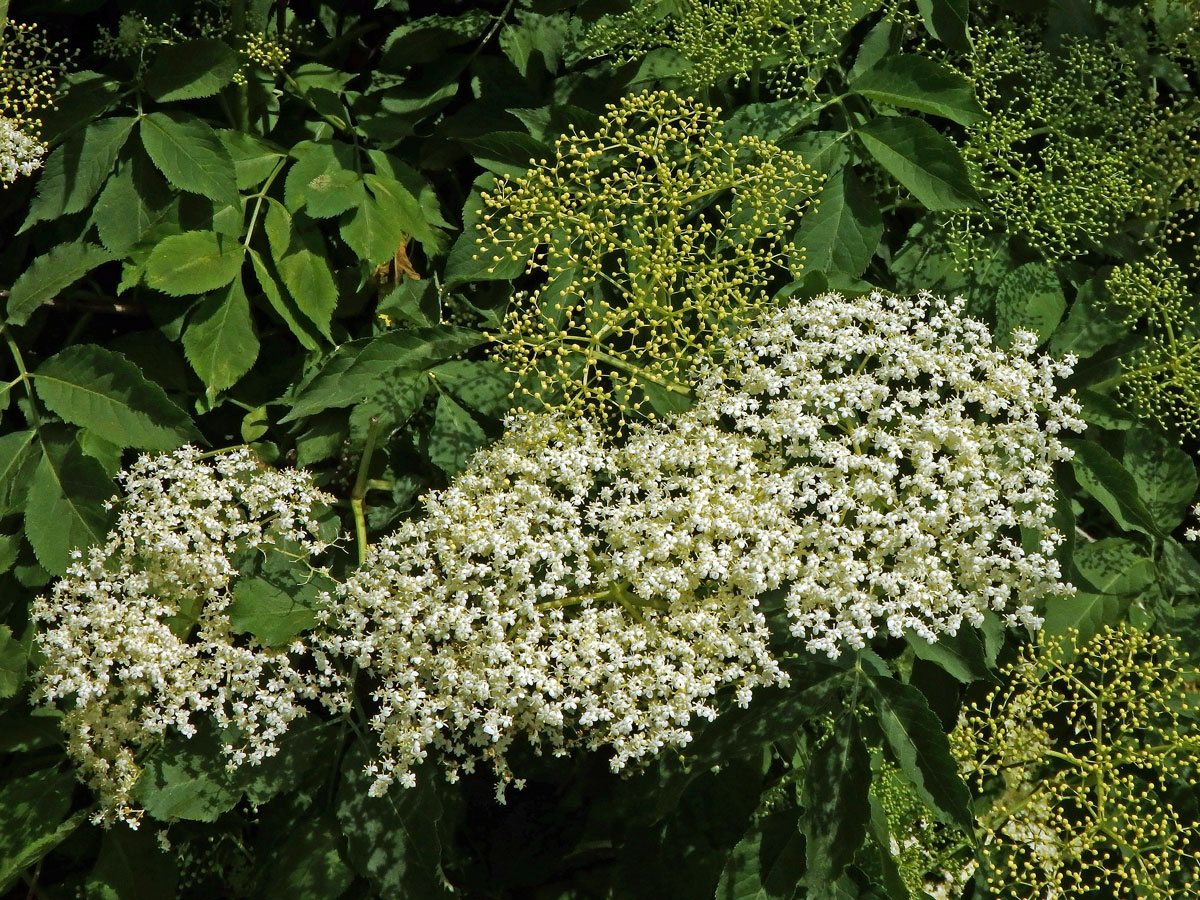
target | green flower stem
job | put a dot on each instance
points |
(639, 372)
(359, 492)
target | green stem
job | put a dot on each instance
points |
(24, 377)
(359, 492)
(261, 196)
(638, 372)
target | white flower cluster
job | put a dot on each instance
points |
(504, 612)
(136, 636)
(876, 458)
(914, 451)
(20, 154)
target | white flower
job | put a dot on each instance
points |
(20, 154)
(136, 640)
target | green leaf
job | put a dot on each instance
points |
(65, 510)
(107, 394)
(253, 158)
(76, 169)
(469, 261)
(189, 153)
(767, 863)
(194, 262)
(922, 160)
(277, 223)
(32, 813)
(309, 863)
(298, 324)
(1029, 297)
(399, 204)
(392, 840)
(454, 437)
(49, 274)
(1115, 566)
(191, 69)
(1085, 613)
(841, 232)
(187, 780)
(358, 369)
(923, 84)
(19, 455)
(323, 180)
(507, 152)
(484, 385)
(132, 866)
(220, 341)
(1179, 569)
(836, 805)
(920, 747)
(946, 20)
(14, 661)
(306, 275)
(961, 655)
(371, 233)
(269, 612)
(1165, 475)
(1091, 324)
(136, 199)
(1116, 490)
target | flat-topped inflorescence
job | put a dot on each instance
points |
(136, 639)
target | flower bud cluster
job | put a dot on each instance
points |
(20, 154)
(137, 640)
(31, 67)
(656, 234)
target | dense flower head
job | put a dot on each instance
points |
(873, 458)
(136, 638)
(656, 235)
(501, 614)
(916, 451)
(20, 154)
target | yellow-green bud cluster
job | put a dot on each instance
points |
(656, 234)
(31, 68)
(1078, 153)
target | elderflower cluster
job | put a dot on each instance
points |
(874, 458)
(136, 638)
(1082, 152)
(1086, 746)
(793, 41)
(19, 153)
(503, 612)
(916, 451)
(656, 235)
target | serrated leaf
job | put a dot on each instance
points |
(392, 840)
(191, 69)
(253, 158)
(14, 661)
(960, 656)
(922, 750)
(19, 455)
(269, 612)
(74, 172)
(132, 866)
(926, 163)
(482, 385)
(835, 805)
(454, 437)
(277, 223)
(323, 179)
(1091, 323)
(507, 152)
(49, 274)
(946, 20)
(189, 153)
(136, 199)
(841, 232)
(1029, 297)
(1165, 475)
(107, 394)
(309, 863)
(1099, 473)
(1179, 569)
(767, 863)
(298, 324)
(186, 781)
(469, 261)
(357, 369)
(920, 83)
(65, 510)
(306, 275)
(1115, 566)
(194, 262)
(220, 340)
(399, 204)
(1085, 613)
(32, 812)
